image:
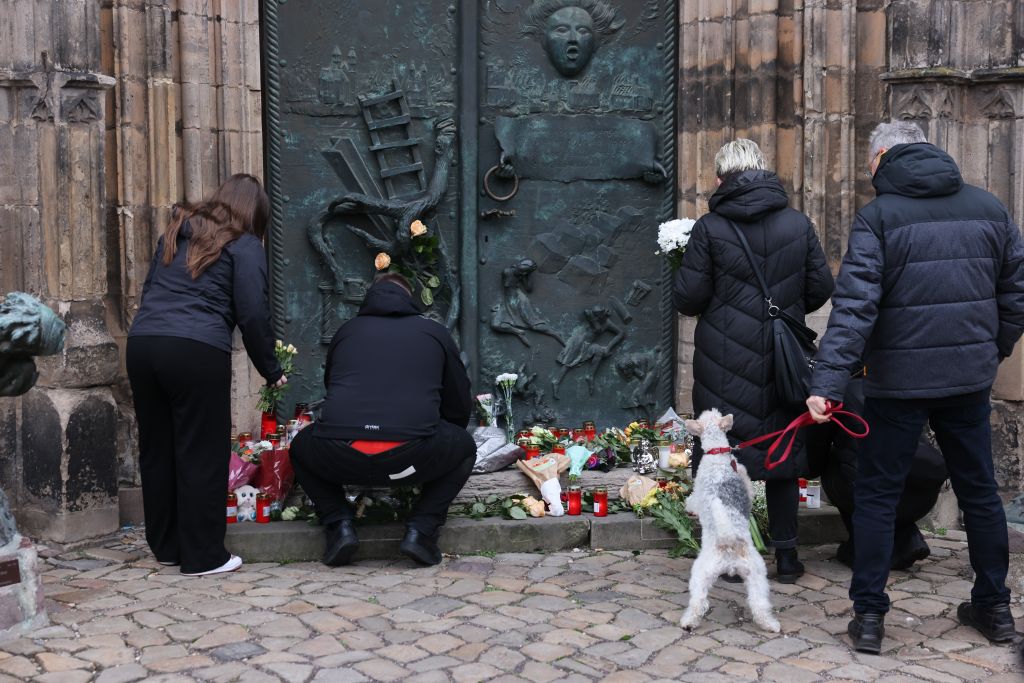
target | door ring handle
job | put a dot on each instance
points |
(490, 193)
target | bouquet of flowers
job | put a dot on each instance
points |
(269, 396)
(653, 434)
(245, 461)
(608, 450)
(539, 436)
(485, 409)
(672, 238)
(506, 383)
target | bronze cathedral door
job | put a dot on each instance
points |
(533, 140)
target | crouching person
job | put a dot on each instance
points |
(397, 405)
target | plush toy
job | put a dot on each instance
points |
(246, 503)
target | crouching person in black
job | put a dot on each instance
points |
(395, 414)
(927, 475)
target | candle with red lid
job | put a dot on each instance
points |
(601, 501)
(589, 430)
(575, 501)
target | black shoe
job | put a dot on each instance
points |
(420, 547)
(914, 550)
(788, 567)
(844, 554)
(732, 578)
(341, 543)
(866, 631)
(995, 623)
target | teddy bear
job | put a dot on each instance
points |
(246, 503)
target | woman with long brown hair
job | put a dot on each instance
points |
(209, 273)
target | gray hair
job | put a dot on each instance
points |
(889, 134)
(739, 155)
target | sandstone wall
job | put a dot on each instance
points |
(109, 113)
(810, 81)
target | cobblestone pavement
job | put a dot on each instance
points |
(574, 616)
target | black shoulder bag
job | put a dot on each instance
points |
(793, 341)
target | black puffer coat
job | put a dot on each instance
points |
(931, 291)
(733, 367)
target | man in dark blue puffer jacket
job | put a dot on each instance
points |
(931, 297)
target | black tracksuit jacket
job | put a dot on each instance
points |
(392, 374)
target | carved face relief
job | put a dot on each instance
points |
(569, 40)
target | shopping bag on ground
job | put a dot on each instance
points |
(275, 476)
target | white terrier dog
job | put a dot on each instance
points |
(721, 497)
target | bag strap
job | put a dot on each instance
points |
(773, 310)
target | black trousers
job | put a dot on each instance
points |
(439, 464)
(782, 498)
(182, 393)
(961, 425)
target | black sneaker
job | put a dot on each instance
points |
(913, 550)
(866, 631)
(844, 554)
(788, 567)
(341, 543)
(995, 623)
(420, 547)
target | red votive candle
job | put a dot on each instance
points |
(558, 448)
(575, 502)
(601, 501)
(532, 451)
(661, 481)
(589, 430)
(262, 508)
(232, 508)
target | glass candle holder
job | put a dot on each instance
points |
(601, 501)
(664, 451)
(232, 509)
(532, 451)
(262, 508)
(575, 501)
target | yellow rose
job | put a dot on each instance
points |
(650, 498)
(533, 506)
(382, 261)
(417, 228)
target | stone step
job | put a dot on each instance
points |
(302, 542)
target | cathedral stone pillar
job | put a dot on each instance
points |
(52, 228)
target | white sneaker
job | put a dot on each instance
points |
(231, 565)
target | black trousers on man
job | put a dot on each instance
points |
(961, 426)
(182, 394)
(438, 464)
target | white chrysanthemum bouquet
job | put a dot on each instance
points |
(672, 239)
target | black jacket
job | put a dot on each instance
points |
(392, 375)
(232, 291)
(931, 291)
(733, 367)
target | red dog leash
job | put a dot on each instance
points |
(804, 420)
